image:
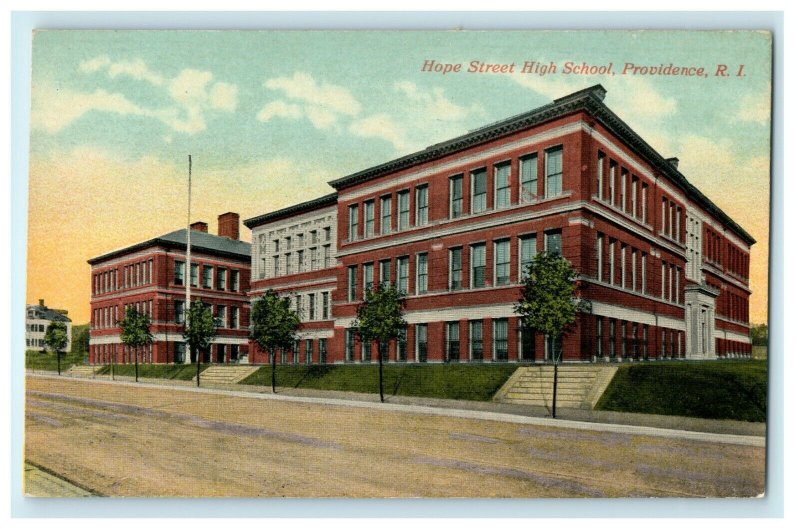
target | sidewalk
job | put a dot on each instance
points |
(688, 424)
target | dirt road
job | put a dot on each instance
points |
(121, 440)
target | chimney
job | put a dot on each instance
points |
(41, 303)
(228, 225)
(199, 226)
(673, 162)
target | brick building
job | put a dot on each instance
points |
(150, 276)
(664, 269)
(294, 254)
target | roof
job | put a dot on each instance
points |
(43, 313)
(201, 241)
(589, 100)
(309, 205)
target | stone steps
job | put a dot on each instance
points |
(579, 386)
(82, 371)
(222, 374)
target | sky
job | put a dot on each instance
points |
(270, 117)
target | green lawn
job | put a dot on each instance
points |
(48, 362)
(443, 381)
(169, 371)
(721, 389)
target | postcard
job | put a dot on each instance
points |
(398, 264)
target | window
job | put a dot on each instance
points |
(612, 181)
(422, 273)
(502, 262)
(327, 234)
(500, 339)
(222, 319)
(422, 206)
(552, 242)
(369, 218)
(479, 191)
(179, 315)
(455, 269)
(402, 210)
(276, 245)
(179, 272)
(663, 280)
(298, 306)
(421, 342)
(453, 344)
(207, 271)
(623, 326)
(351, 283)
(456, 196)
(352, 234)
(402, 345)
(554, 172)
(287, 259)
(623, 190)
(314, 237)
(300, 240)
(529, 178)
(312, 307)
(527, 250)
(301, 262)
(276, 266)
(601, 160)
(635, 197)
(222, 278)
(623, 261)
(643, 282)
(502, 185)
(599, 256)
(634, 259)
(386, 214)
(235, 280)
(402, 274)
(309, 350)
(289, 239)
(234, 317)
(645, 333)
(366, 350)
(325, 308)
(599, 337)
(552, 348)
(327, 255)
(314, 264)
(369, 281)
(385, 272)
(323, 351)
(349, 344)
(476, 340)
(612, 338)
(478, 262)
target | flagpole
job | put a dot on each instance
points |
(187, 354)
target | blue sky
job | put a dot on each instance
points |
(270, 117)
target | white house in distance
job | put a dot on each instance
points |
(37, 318)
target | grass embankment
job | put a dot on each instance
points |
(442, 381)
(48, 361)
(721, 389)
(167, 371)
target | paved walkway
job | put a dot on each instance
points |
(736, 432)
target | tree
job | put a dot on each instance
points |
(759, 334)
(135, 334)
(80, 339)
(549, 304)
(380, 319)
(199, 329)
(55, 338)
(274, 325)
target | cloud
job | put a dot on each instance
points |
(192, 94)
(55, 109)
(280, 109)
(301, 86)
(434, 103)
(755, 108)
(380, 126)
(323, 104)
